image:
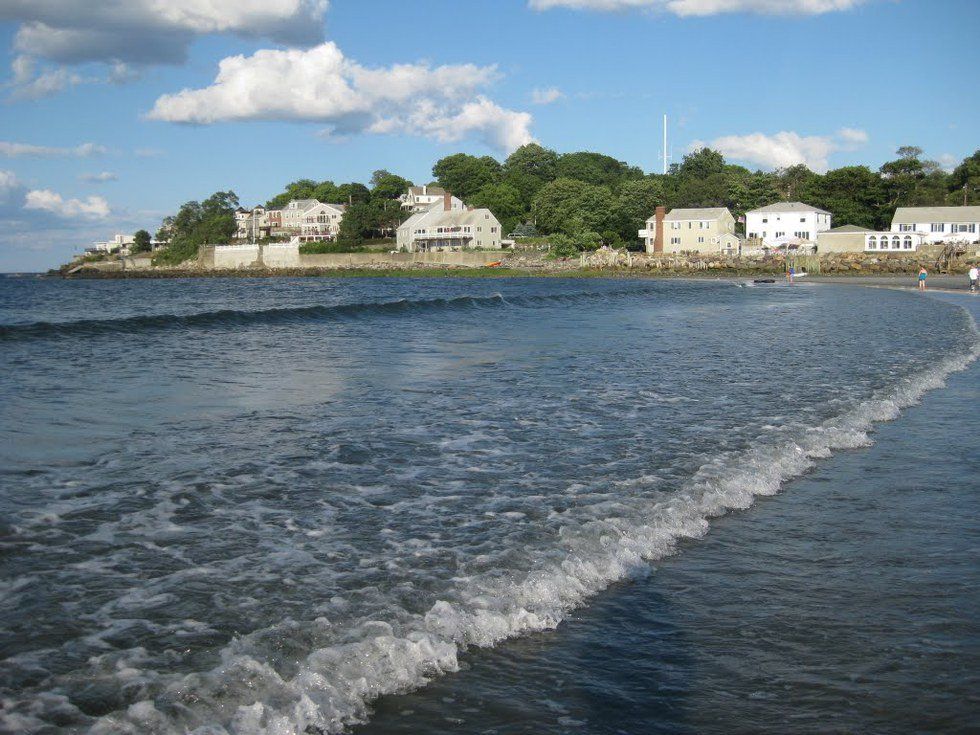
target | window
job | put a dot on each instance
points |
(965, 228)
(780, 234)
(938, 227)
(906, 228)
(872, 243)
(803, 220)
(908, 242)
(700, 239)
(765, 220)
(896, 242)
(675, 241)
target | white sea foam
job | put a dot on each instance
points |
(333, 686)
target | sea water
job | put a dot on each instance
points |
(261, 506)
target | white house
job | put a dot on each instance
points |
(252, 225)
(447, 228)
(779, 224)
(117, 244)
(421, 198)
(939, 224)
(854, 239)
(705, 230)
(322, 222)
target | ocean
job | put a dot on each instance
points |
(486, 506)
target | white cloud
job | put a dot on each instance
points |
(324, 86)
(686, 8)
(152, 31)
(99, 178)
(785, 149)
(16, 150)
(124, 33)
(8, 183)
(48, 201)
(546, 96)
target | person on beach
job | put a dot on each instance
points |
(923, 274)
(791, 274)
(974, 276)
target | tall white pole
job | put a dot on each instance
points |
(665, 145)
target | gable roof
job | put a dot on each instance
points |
(440, 218)
(914, 215)
(847, 228)
(788, 207)
(426, 190)
(707, 213)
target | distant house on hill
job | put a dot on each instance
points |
(446, 228)
(779, 224)
(704, 230)
(118, 244)
(939, 224)
(421, 198)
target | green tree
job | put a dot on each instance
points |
(141, 242)
(596, 169)
(504, 200)
(210, 222)
(570, 206)
(529, 168)
(636, 202)
(465, 175)
(965, 180)
(386, 185)
(701, 164)
(353, 193)
(854, 195)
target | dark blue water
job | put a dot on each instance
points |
(257, 506)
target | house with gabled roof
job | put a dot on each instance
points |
(785, 222)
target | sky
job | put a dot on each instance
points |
(112, 114)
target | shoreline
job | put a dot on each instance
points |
(944, 282)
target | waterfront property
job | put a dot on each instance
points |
(939, 224)
(786, 223)
(118, 244)
(854, 239)
(421, 198)
(307, 220)
(442, 228)
(705, 230)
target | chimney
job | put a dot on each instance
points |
(447, 202)
(658, 244)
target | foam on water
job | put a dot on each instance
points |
(332, 687)
(455, 534)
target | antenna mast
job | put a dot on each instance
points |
(666, 156)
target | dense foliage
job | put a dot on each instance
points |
(591, 198)
(197, 223)
(141, 242)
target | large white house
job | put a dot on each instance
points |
(445, 228)
(307, 219)
(118, 244)
(939, 224)
(705, 230)
(421, 198)
(786, 222)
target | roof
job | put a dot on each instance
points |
(788, 207)
(302, 204)
(913, 215)
(708, 213)
(440, 218)
(843, 229)
(427, 190)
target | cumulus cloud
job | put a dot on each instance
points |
(17, 150)
(123, 33)
(546, 96)
(325, 87)
(686, 8)
(49, 201)
(786, 148)
(152, 31)
(99, 178)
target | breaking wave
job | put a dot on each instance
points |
(232, 318)
(332, 687)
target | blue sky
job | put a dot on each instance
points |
(336, 90)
